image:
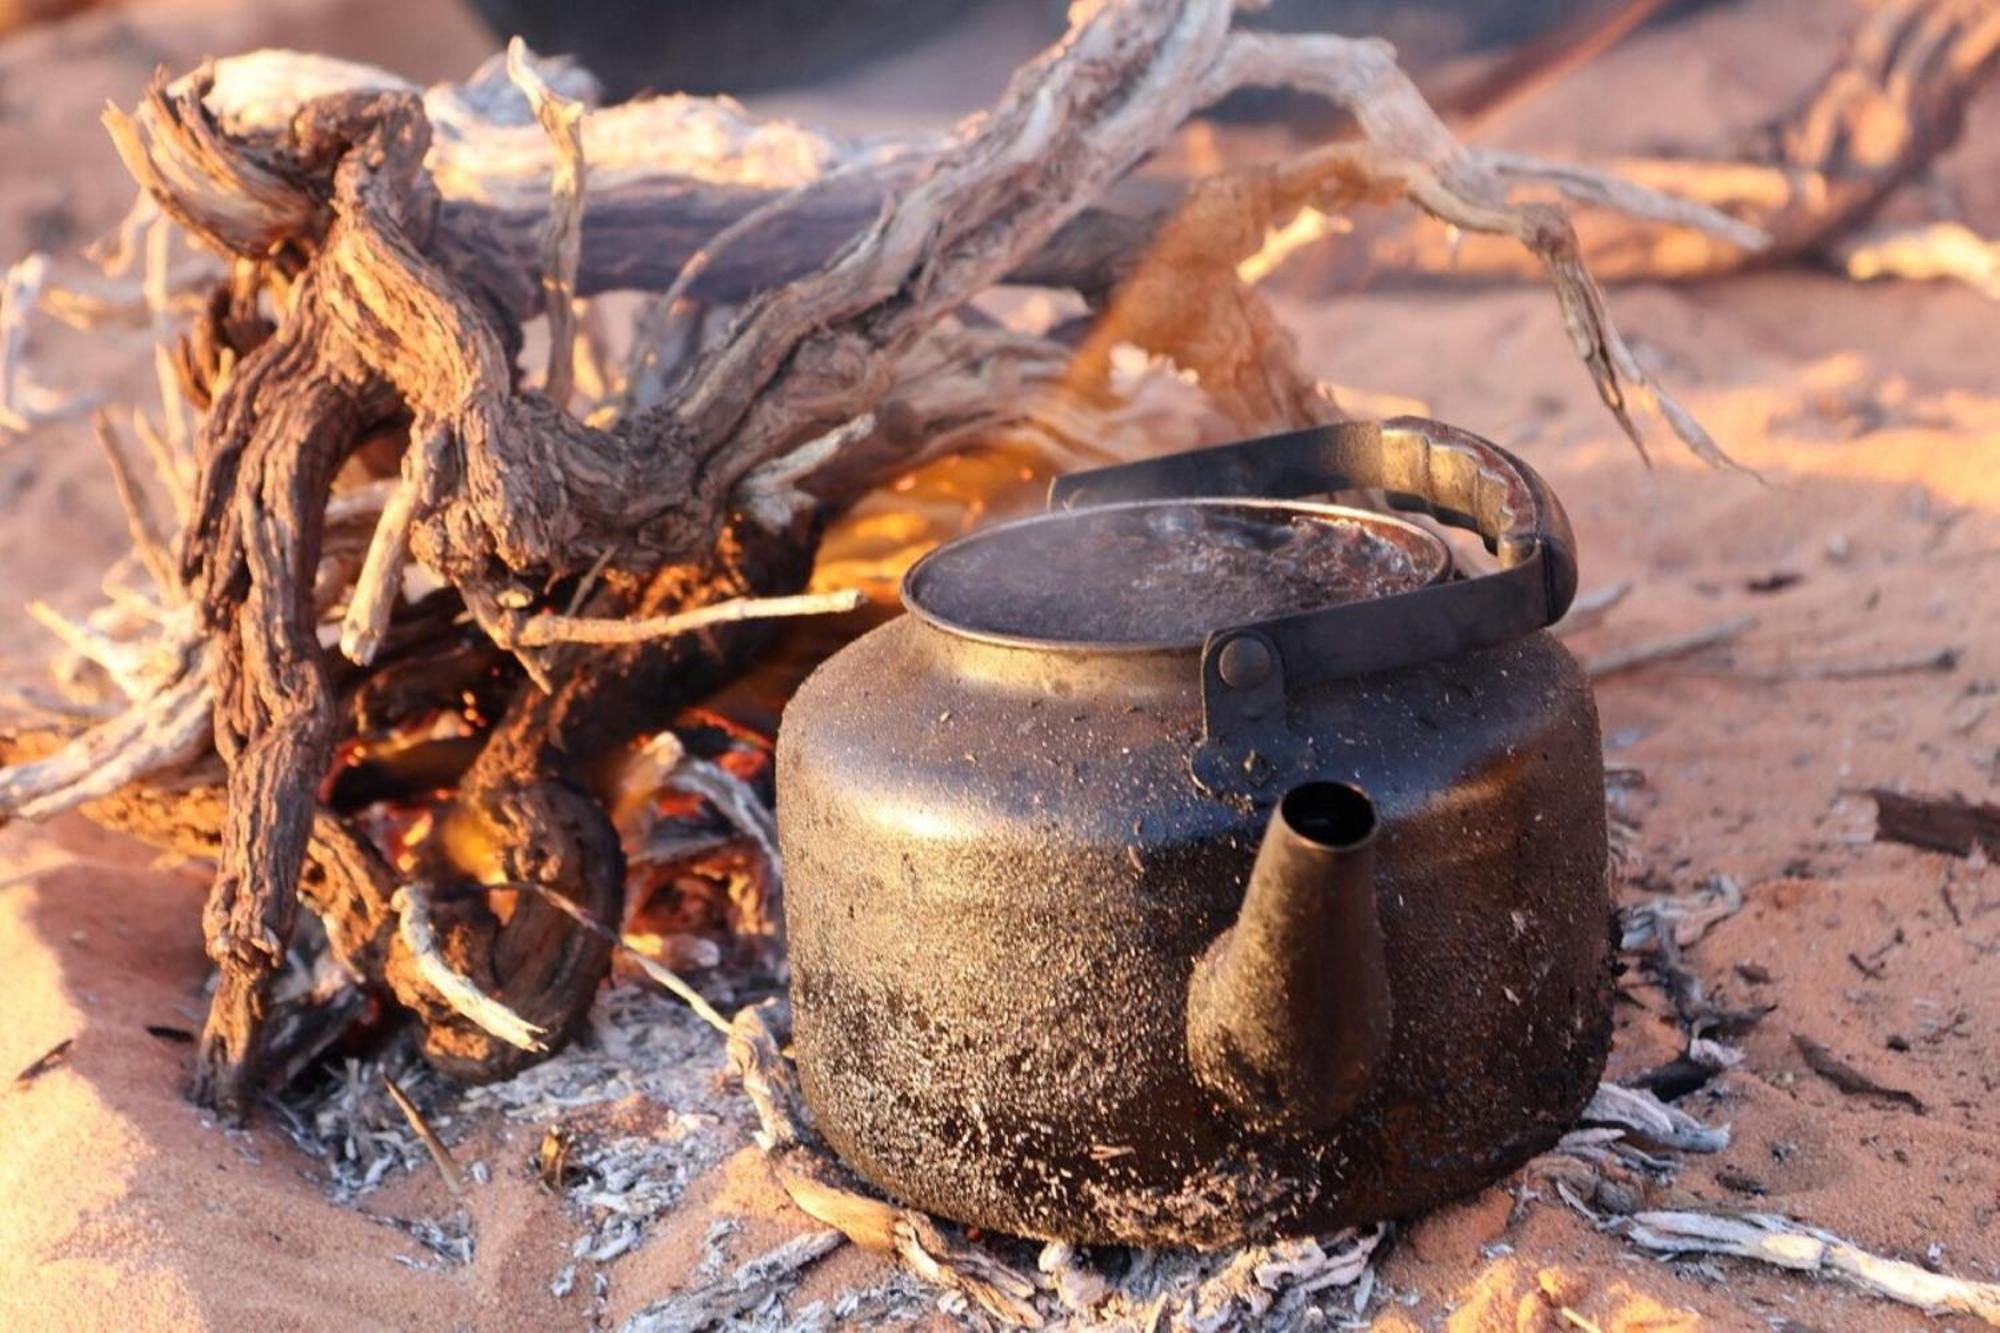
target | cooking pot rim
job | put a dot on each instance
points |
(1415, 535)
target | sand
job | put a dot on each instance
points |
(1873, 417)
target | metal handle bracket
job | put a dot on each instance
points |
(1422, 466)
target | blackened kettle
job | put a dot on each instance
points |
(1196, 863)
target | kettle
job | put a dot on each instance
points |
(1201, 862)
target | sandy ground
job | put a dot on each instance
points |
(1873, 416)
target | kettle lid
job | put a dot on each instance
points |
(1152, 574)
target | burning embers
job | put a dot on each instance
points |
(690, 804)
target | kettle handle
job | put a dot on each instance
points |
(1422, 465)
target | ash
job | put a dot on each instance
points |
(639, 1044)
(347, 1122)
(648, 1054)
(451, 1240)
(644, 1053)
(1301, 1284)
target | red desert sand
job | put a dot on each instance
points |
(1871, 414)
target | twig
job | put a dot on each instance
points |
(561, 118)
(1846, 1077)
(1590, 608)
(1950, 903)
(729, 794)
(1411, 146)
(380, 581)
(29, 700)
(545, 629)
(499, 624)
(139, 519)
(1929, 659)
(136, 668)
(179, 432)
(1936, 823)
(727, 1302)
(772, 494)
(456, 990)
(24, 404)
(1575, 1320)
(90, 303)
(174, 471)
(1784, 1243)
(1606, 189)
(1883, 112)
(447, 1166)
(156, 734)
(1662, 650)
(1949, 251)
(1576, 40)
(659, 972)
(50, 1059)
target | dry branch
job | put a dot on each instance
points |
(561, 118)
(24, 403)
(1949, 824)
(1809, 181)
(1926, 253)
(435, 1146)
(1783, 1243)
(140, 520)
(399, 240)
(1667, 649)
(491, 1016)
(545, 629)
(380, 581)
(161, 732)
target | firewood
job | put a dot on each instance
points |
(383, 248)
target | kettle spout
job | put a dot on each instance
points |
(1288, 1011)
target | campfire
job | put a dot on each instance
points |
(467, 592)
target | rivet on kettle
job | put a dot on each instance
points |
(1244, 663)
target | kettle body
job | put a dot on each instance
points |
(1086, 945)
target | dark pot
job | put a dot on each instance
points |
(1207, 936)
